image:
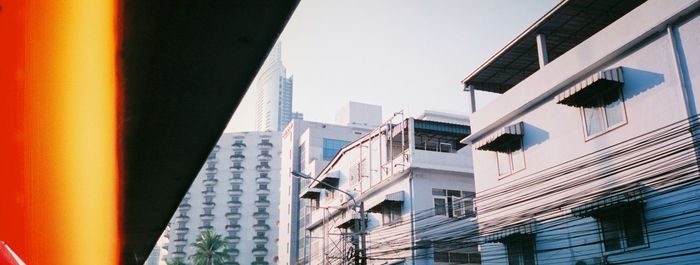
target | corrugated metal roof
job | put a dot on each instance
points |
(565, 26)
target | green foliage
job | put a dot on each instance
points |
(209, 249)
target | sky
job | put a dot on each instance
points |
(405, 55)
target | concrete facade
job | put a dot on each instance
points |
(234, 195)
(575, 180)
(400, 179)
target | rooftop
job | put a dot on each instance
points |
(565, 26)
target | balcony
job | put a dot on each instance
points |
(205, 228)
(234, 204)
(179, 254)
(262, 192)
(236, 192)
(233, 239)
(179, 242)
(232, 251)
(182, 218)
(262, 168)
(208, 193)
(264, 203)
(206, 217)
(182, 230)
(208, 205)
(233, 215)
(264, 145)
(236, 158)
(211, 170)
(259, 252)
(210, 182)
(260, 239)
(236, 180)
(238, 169)
(238, 146)
(261, 215)
(264, 157)
(262, 180)
(233, 228)
(261, 227)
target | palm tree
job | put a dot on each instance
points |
(177, 261)
(209, 249)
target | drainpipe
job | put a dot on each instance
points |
(413, 229)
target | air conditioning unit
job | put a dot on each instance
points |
(591, 261)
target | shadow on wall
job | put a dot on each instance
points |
(533, 136)
(638, 81)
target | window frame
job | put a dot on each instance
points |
(618, 212)
(393, 210)
(606, 128)
(510, 161)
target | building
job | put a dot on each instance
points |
(411, 181)
(590, 155)
(234, 195)
(159, 254)
(274, 92)
(308, 147)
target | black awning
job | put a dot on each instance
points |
(392, 198)
(332, 181)
(311, 194)
(610, 202)
(581, 94)
(505, 140)
(524, 229)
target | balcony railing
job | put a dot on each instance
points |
(233, 228)
(211, 170)
(236, 180)
(205, 227)
(265, 145)
(264, 157)
(262, 192)
(208, 205)
(233, 251)
(238, 169)
(259, 252)
(182, 218)
(206, 217)
(262, 168)
(261, 215)
(234, 204)
(235, 192)
(179, 254)
(236, 158)
(233, 239)
(260, 239)
(264, 203)
(261, 227)
(208, 193)
(233, 215)
(238, 145)
(262, 180)
(210, 182)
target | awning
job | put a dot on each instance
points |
(333, 181)
(524, 229)
(505, 140)
(617, 200)
(580, 95)
(348, 220)
(311, 194)
(392, 198)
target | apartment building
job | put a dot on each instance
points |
(408, 183)
(589, 155)
(308, 147)
(234, 195)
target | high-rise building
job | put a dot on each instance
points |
(274, 93)
(308, 147)
(235, 194)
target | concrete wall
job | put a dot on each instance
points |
(554, 136)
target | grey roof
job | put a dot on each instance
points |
(565, 26)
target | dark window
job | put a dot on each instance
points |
(391, 213)
(440, 208)
(622, 228)
(521, 250)
(441, 257)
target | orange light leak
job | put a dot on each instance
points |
(58, 113)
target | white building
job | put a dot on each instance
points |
(159, 254)
(411, 179)
(308, 147)
(235, 195)
(589, 155)
(274, 93)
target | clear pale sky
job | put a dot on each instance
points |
(401, 54)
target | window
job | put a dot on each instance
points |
(603, 112)
(457, 257)
(453, 203)
(622, 228)
(520, 250)
(391, 213)
(511, 161)
(331, 147)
